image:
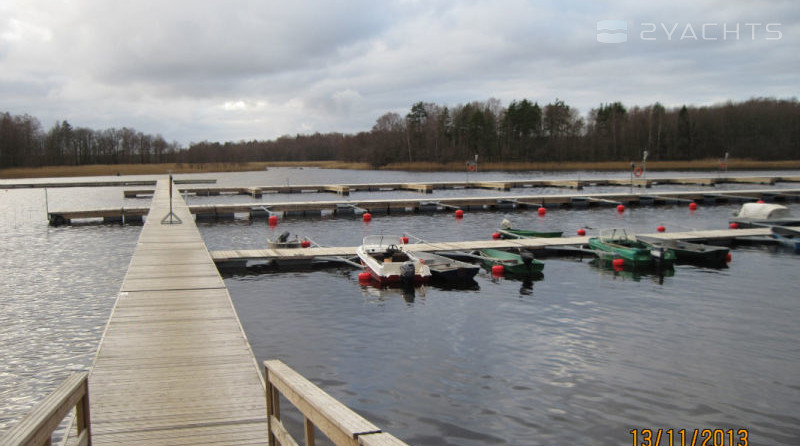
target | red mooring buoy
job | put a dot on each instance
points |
(542, 211)
(734, 225)
(273, 220)
(728, 258)
(618, 263)
(693, 206)
(661, 228)
(496, 236)
(581, 232)
(364, 277)
(367, 217)
(498, 270)
(459, 213)
(620, 208)
(305, 243)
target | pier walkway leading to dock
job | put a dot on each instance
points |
(174, 365)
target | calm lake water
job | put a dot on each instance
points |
(580, 357)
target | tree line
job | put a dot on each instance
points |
(759, 128)
(23, 143)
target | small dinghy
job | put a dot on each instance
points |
(284, 241)
(789, 237)
(691, 253)
(447, 269)
(634, 252)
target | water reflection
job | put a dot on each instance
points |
(378, 294)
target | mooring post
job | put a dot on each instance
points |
(171, 218)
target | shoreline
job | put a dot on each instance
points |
(184, 168)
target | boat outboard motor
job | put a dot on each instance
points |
(527, 257)
(407, 272)
(283, 237)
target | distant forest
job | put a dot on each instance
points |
(760, 129)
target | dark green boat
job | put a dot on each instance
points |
(514, 264)
(636, 254)
(524, 233)
(691, 253)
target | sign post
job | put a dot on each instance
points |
(171, 218)
(644, 167)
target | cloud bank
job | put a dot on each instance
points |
(241, 70)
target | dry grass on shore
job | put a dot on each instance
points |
(710, 164)
(178, 168)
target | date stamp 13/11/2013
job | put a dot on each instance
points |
(690, 437)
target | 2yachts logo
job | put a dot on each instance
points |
(616, 31)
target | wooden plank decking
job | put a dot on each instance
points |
(174, 365)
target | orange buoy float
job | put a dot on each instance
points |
(621, 208)
(581, 232)
(542, 211)
(272, 220)
(367, 217)
(693, 206)
(459, 213)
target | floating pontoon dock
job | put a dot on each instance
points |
(429, 187)
(297, 255)
(404, 205)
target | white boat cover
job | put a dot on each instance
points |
(763, 211)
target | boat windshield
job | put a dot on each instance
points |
(374, 243)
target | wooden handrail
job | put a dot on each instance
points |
(338, 422)
(36, 429)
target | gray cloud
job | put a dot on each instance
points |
(230, 70)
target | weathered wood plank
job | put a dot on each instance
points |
(174, 365)
(334, 419)
(380, 439)
(38, 426)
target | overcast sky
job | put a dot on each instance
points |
(233, 70)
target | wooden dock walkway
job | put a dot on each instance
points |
(97, 183)
(429, 187)
(309, 254)
(174, 365)
(403, 205)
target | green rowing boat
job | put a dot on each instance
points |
(515, 264)
(635, 253)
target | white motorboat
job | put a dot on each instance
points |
(388, 263)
